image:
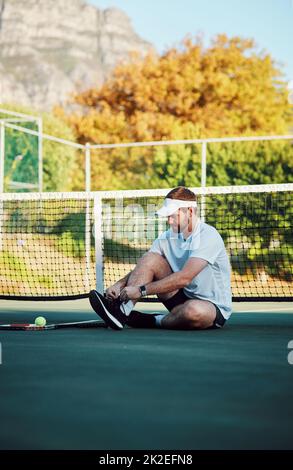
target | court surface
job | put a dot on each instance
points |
(146, 389)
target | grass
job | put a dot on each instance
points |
(16, 269)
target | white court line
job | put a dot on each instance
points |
(267, 310)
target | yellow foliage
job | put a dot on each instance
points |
(226, 89)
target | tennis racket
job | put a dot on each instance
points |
(54, 326)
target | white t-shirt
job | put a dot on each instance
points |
(213, 283)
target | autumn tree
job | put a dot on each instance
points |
(226, 89)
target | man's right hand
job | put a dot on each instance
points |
(113, 292)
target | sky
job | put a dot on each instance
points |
(165, 23)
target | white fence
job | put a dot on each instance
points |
(10, 123)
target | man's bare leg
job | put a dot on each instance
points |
(193, 314)
(150, 267)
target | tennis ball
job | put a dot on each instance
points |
(40, 321)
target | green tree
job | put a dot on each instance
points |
(61, 171)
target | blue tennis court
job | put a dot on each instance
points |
(146, 389)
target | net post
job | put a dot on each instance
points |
(88, 213)
(98, 227)
(40, 154)
(203, 177)
(87, 242)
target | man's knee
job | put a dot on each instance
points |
(149, 259)
(156, 263)
(196, 316)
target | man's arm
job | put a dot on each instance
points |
(170, 283)
(177, 280)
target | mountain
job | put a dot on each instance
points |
(51, 48)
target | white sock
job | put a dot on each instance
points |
(159, 319)
(126, 307)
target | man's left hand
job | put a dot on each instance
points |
(130, 293)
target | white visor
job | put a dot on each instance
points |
(172, 205)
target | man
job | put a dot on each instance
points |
(187, 267)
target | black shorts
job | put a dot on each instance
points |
(181, 297)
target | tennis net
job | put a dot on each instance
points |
(61, 245)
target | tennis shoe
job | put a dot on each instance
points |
(108, 310)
